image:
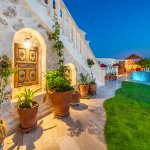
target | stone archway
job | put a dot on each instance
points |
(72, 73)
(36, 40)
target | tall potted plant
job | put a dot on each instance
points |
(6, 71)
(84, 85)
(27, 109)
(92, 86)
(58, 86)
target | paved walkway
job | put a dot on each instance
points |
(82, 130)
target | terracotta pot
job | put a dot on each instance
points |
(115, 77)
(61, 102)
(75, 99)
(2, 132)
(110, 77)
(107, 78)
(93, 88)
(28, 116)
(84, 90)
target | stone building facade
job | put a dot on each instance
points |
(32, 20)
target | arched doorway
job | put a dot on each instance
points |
(72, 73)
(29, 51)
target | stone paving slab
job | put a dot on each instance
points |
(82, 130)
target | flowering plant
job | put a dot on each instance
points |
(90, 62)
(103, 65)
(115, 65)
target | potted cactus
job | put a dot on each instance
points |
(27, 109)
(6, 71)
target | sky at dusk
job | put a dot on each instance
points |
(116, 28)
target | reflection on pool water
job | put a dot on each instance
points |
(143, 76)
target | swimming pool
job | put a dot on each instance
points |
(142, 76)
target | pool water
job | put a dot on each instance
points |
(142, 76)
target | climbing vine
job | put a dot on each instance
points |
(58, 46)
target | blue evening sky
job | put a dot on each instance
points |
(116, 28)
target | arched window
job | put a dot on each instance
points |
(54, 4)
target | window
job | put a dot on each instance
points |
(61, 13)
(26, 60)
(54, 4)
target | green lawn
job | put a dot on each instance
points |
(128, 118)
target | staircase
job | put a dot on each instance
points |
(75, 43)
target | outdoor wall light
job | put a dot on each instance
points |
(27, 43)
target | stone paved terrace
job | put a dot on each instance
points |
(82, 130)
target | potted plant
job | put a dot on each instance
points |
(115, 76)
(76, 96)
(6, 71)
(92, 87)
(60, 91)
(84, 85)
(58, 85)
(107, 77)
(111, 76)
(27, 109)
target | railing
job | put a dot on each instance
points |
(70, 31)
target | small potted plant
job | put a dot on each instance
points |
(115, 76)
(60, 91)
(27, 109)
(76, 96)
(111, 76)
(107, 77)
(6, 71)
(92, 87)
(84, 85)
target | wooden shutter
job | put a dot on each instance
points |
(26, 60)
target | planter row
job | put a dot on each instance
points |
(110, 78)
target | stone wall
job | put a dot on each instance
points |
(15, 15)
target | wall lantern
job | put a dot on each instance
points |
(27, 43)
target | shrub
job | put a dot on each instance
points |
(57, 82)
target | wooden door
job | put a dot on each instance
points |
(26, 60)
